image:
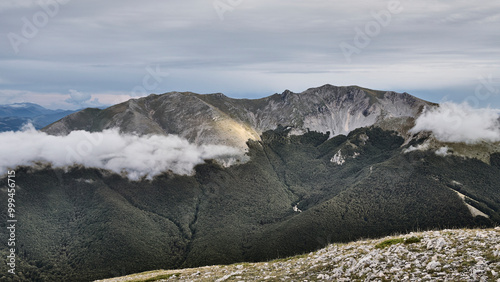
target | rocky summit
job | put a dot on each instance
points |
(447, 255)
(218, 119)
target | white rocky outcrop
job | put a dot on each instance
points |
(338, 158)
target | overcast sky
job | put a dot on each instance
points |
(76, 53)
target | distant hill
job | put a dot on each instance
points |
(14, 116)
(24, 110)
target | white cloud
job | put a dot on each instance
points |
(443, 151)
(82, 100)
(452, 122)
(78, 97)
(420, 147)
(54, 100)
(131, 155)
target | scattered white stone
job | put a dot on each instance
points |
(323, 276)
(433, 265)
(437, 244)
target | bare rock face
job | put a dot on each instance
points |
(217, 119)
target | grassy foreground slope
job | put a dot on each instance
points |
(447, 255)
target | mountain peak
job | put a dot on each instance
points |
(218, 119)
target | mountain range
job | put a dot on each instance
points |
(14, 116)
(216, 118)
(330, 164)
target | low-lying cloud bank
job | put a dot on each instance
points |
(452, 122)
(135, 156)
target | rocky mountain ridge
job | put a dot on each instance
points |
(218, 119)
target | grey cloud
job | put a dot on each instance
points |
(82, 100)
(256, 37)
